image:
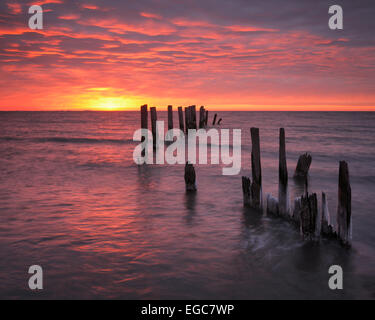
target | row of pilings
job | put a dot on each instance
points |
(304, 213)
(189, 123)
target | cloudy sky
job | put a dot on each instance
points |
(225, 54)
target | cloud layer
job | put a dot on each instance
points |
(224, 54)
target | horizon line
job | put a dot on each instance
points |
(175, 110)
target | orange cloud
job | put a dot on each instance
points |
(70, 17)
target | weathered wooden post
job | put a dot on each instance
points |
(153, 125)
(219, 122)
(344, 208)
(187, 119)
(206, 119)
(256, 186)
(283, 177)
(144, 124)
(214, 121)
(190, 178)
(326, 227)
(296, 216)
(144, 116)
(201, 117)
(303, 166)
(170, 117)
(246, 186)
(193, 117)
(181, 119)
(308, 216)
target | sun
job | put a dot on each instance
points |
(110, 104)
(106, 99)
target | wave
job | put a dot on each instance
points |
(10, 139)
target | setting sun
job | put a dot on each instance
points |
(104, 99)
(110, 104)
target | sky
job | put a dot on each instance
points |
(225, 55)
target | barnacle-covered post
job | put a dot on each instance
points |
(308, 216)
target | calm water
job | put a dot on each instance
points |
(73, 201)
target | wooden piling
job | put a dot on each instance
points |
(187, 119)
(219, 122)
(308, 216)
(170, 117)
(283, 176)
(256, 186)
(193, 118)
(201, 117)
(246, 185)
(144, 116)
(283, 170)
(303, 166)
(344, 208)
(214, 121)
(296, 216)
(153, 125)
(181, 119)
(190, 178)
(206, 119)
(144, 123)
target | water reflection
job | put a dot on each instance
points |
(190, 205)
(251, 218)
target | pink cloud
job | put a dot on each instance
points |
(150, 15)
(14, 8)
(149, 27)
(239, 28)
(70, 17)
(89, 6)
(43, 2)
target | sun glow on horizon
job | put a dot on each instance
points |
(107, 103)
(110, 104)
